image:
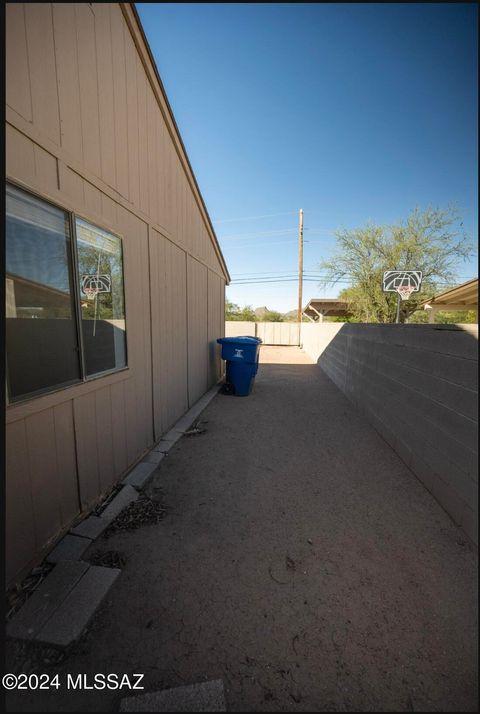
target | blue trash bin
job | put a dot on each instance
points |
(241, 355)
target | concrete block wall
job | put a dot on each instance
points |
(271, 333)
(418, 386)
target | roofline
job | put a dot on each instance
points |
(446, 293)
(338, 300)
(210, 227)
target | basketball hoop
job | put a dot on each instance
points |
(405, 291)
(90, 293)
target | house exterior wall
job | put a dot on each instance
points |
(89, 129)
(418, 386)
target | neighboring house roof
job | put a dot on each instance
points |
(331, 307)
(462, 297)
(130, 13)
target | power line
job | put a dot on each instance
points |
(284, 280)
(255, 218)
(273, 232)
(310, 279)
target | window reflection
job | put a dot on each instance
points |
(100, 274)
(40, 326)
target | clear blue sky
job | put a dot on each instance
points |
(353, 112)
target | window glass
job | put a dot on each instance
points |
(41, 329)
(100, 274)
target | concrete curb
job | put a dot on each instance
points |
(58, 612)
(61, 608)
(202, 697)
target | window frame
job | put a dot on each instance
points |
(71, 215)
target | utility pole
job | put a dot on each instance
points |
(300, 266)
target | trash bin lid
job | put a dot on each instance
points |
(243, 340)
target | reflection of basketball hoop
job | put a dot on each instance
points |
(405, 291)
(90, 293)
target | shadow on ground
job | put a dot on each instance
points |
(300, 561)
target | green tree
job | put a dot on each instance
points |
(446, 317)
(432, 240)
(231, 310)
(247, 313)
(272, 316)
(234, 312)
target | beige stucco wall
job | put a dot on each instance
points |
(88, 128)
(418, 386)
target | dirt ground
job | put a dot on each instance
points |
(300, 561)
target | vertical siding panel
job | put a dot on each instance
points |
(109, 212)
(147, 372)
(160, 169)
(214, 308)
(152, 110)
(105, 92)
(66, 461)
(174, 374)
(142, 136)
(197, 330)
(133, 302)
(119, 99)
(131, 420)
(143, 358)
(46, 169)
(167, 173)
(72, 184)
(17, 74)
(93, 201)
(182, 213)
(86, 441)
(119, 432)
(156, 254)
(65, 39)
(41, 447)
(170, 184)
(132, 120)
(87, 72)
(103, 420)
(20, 159)
(41, 62)
(19, 519)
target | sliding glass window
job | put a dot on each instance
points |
(65, 312)
(41, 331)
(100, 274)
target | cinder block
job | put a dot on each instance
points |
(91, 527)
(164, 445)
(140, 474)
(71, 547)
(73, 615)
(172, 436)
(127, 495)
(203, 697)
(40, 607)
(154, 457)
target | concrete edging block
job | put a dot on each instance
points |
(75, 612)
(140, 474)
(71, 547)
(201, 697)
(44, 602)
(91, 527)
(127, 495)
